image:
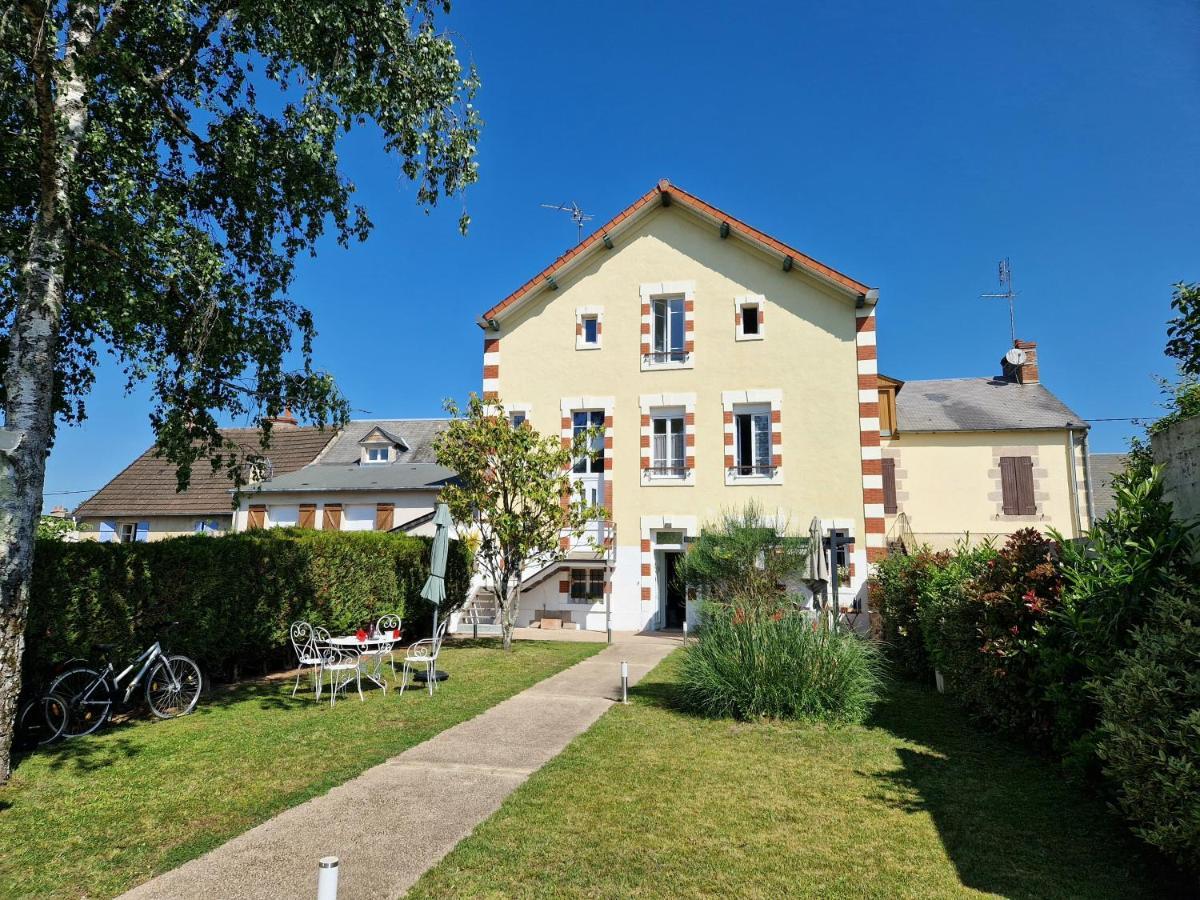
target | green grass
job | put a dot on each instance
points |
(652, 802)
(95, 816)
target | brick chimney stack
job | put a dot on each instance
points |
(286, 420)
(1027, 372)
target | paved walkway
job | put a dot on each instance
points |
(398, 819)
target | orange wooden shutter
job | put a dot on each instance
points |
(308, 515)
(256, 517)
(889, 486)
(333, 517)
(383, 516)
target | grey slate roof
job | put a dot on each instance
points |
(979, 404)
(1104, 467)
(339, 468)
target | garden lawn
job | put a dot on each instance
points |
(95, 816)
(652, 802)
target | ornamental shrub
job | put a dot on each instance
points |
(1149, 732)
(1012, 596)
(233, 596)
(750, 662)
(948, 614)
(895, 592)
(1134, 552)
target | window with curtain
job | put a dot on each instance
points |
(668, 456)
(587, 585)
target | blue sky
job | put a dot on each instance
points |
(909, 145)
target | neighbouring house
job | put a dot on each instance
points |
(1104, 467)
(374, 475)
(981, 456)
(723, 366)
(142, 502)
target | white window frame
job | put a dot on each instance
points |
(666, 464)
(770, 403)
(582, 315)
(666, 291)
(127, 528)
(656, 407)
(759, 302)
(593, 465)
(379, 447)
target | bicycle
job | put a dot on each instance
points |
(172, 689)
(40, 721)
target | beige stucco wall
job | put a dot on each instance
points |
(808, 353)
(948, 483)
(160, 526)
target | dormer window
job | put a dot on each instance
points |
(380, 447)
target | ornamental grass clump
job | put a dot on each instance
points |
(751, 664)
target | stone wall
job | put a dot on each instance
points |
(1178, 449)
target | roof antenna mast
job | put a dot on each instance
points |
(578, 216)
(1006, 293)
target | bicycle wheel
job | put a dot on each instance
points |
(173, 688)
(88, 698)
(39, 722)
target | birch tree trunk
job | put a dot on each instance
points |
(512, 604)
(59, 97)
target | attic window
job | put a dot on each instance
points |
(379, 454)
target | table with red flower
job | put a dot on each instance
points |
(370, 645)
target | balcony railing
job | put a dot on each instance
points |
(679, 471)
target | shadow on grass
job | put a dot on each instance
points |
(1009, 822)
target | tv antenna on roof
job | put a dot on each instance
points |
(1006, 293)
(578, 216)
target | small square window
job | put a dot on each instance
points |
(516, 419)
(750, 318)
(128, 532)
(378, 454)
(590, 329)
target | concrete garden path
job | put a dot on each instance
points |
(394, 821)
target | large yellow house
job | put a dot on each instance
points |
(724, 366)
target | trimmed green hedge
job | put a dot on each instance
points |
(234, 596)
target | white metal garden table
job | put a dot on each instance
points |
(373, 669)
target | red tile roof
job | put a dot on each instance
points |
(147, 485)
(678, 195)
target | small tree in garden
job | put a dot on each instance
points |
(514, 486)
(744, 559)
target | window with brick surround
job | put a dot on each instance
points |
(587, 585)
(752, 440)
(666, 333)
(749, 316)
(668, 454)
(589, 327)
(581, 421)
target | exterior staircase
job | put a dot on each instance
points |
(480, 615)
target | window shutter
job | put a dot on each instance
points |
(1025, 501)
(143, 532)
(333, 517)
(889, 487)
(256, 517)
(308, 515)
(1008, 485)
(383, 516)
(108, 531)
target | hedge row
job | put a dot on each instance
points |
(1086, 649)
(233, 596)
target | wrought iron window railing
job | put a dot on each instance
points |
(750, 470)
(680, 471)
(666, 356)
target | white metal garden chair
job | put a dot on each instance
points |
(304, 642)
(424, 653)
(342, 664)
(387, 626)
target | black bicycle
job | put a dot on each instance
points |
(40, 721)
(173, 685)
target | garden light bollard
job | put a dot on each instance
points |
(624, 682)
(327, 878)
(685, 631)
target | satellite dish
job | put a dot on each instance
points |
(1016, 357)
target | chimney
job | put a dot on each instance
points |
(1026, 372)
(286, 420)
(59, 512)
